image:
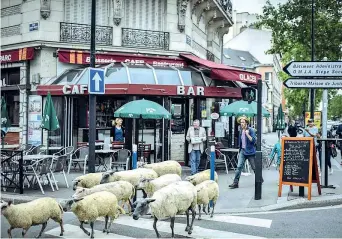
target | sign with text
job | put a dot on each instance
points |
(313, 83)
(298, 165)
(35, 120)
(314, 68)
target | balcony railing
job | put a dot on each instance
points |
(80, 33)
(210, 56)
(227, 6)
(145, 39)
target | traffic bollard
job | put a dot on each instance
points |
(212, 167)
(134, 156)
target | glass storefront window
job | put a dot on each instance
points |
(12, 104)
(197, 79)
(10, 76)
(68, 77)
(167, 76)
(116, 75)
(186, 76)
(141, 75)
(55, 137)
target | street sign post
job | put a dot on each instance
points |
(314, 68)
(313, 83)
(96, 81)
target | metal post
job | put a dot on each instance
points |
(324, 134)
(21, 172)
(92, 98)
(258, 159)
(212, 167)
(134, 156)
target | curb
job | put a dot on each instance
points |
(293, 204)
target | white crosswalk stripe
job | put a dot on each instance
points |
(74, 231)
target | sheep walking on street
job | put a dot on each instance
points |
(165, 167)
(87, 181)
(201, 177)
(36, 212)
(206, 191)
(167, 202)
(93, 206)
(151, 185)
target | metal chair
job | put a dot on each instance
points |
(123, 156)
(220, 158)
(57, 166)
(82, 157)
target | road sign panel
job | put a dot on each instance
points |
(313, 83)
(96, 81)
(314, 68)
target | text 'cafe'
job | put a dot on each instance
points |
(187, 86)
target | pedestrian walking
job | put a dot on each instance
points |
(277, 150)
(312, 131)
(247, 149)
(292, 129)
(195, 136)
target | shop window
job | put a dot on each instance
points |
(12, 101)
(141, 75)
(10, 76)
(197, 79)
(116, 75)
(186, 76)
(68, 77)
(167, 77)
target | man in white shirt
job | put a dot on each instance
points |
(195, 136)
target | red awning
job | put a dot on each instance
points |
(83, 58)
(22, 54)
(223, 72)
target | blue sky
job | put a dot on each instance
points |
(252, 6)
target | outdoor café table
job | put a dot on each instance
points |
(36, 156)
(233, 157)
(105, 152)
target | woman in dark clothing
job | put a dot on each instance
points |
(292, 129)
(117, 133)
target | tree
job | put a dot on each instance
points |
(335, 107)
(291, 38)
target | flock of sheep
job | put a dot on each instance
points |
(100, 194)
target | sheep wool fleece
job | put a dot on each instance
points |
(133, 176)
(206, 191)
(166, 167)
(158, 183)
(99, 204)
(201, 177)
(173, 199)
(121, 189)
(89, 180)
(32, 213)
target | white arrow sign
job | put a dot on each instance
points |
(313, 83)
(314, 69)
(97, 80)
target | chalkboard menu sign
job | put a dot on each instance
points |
(296, 161)
(298, 165)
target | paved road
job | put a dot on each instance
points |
(302, 223)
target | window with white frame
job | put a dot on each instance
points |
(268, 77)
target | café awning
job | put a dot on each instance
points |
(223, 72)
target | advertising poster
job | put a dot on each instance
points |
(317, 118)
(35, 120)
(219, 130)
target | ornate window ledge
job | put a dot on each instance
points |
(145, 39)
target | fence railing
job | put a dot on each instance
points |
(145, 39)
(12, 171)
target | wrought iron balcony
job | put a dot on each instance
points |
(210, 56)
(227, 6)
(80, 33)
(145, 39)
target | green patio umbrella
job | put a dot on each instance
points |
(50, 120)
(280, 121)
(5, 122)
(144, 109)
(241, 107)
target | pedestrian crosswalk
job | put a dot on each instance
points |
(124, 225)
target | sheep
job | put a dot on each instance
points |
(87, 181)
(123, 190)
(200, 177)
(206, 191)
(176, 198)
(89, 208)
(133, 176)
(152, 185)
(166, 167)
(36, 212)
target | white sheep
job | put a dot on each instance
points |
(166, 167)
(133, 176)
(152, 185)
(201, 177)
(206, 191)
(123, 190)
(93, 206)
(87, 181)
(36, 212)
(167, 202)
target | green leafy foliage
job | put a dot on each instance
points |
(335, 107)
(291, 38)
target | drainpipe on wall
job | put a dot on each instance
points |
(27, 96)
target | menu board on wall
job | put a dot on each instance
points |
(219, 130)
(35, 120)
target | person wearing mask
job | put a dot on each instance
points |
(195, 136)
(117, 133)
(312, 131)
(247, 150)
(292, 129)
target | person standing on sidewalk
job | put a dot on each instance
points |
(292, 129)
(312, 131)
(247, 149)
(195, 136)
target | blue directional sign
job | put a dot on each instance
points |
(96, 81)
